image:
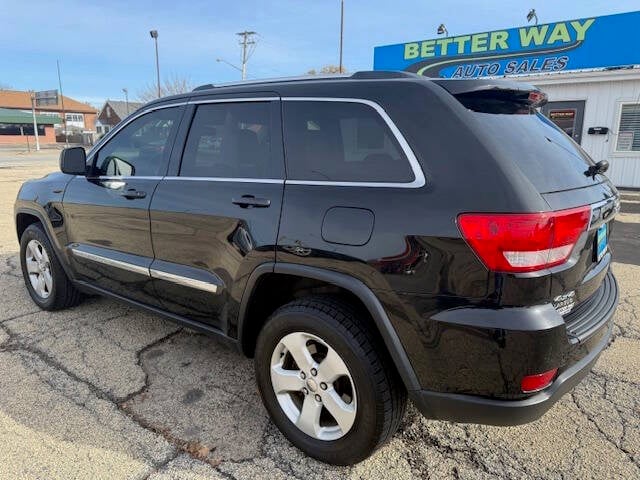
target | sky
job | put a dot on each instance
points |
(105, 46)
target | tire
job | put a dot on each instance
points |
(371, 387)
(58, 292)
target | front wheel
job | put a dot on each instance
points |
(326, 381)
(44, 277)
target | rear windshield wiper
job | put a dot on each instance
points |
(600, 167)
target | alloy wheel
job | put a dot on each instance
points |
(313, 386)
(39, 268)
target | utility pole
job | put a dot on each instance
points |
(64, 113)
(341, 31)
(35, 124)
(246, 42)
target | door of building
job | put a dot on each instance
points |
(568, 116)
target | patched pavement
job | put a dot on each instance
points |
(107, 391)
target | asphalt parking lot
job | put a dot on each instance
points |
(107, 391)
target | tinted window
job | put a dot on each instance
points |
(545, 154)
(230, 140)
(141, 148)
(343, 142)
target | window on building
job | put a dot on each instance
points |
(230, 140)
(19, 129)
(341, 142)
(140, 148)
(74, 117)
(629, 130)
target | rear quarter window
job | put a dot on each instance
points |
(341, 142)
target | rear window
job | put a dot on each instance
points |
(341, 142)
(545, 154)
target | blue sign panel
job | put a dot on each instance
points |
(596, 42)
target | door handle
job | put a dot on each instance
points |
(132, 194)
(249, 201)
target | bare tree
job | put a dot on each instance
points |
(170, 86)
(327, 70)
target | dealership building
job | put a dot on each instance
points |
(589, 68)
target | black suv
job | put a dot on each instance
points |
(364, 238)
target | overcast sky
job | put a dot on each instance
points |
(105, 46)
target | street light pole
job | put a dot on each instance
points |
(64, 112)
(126, 99)
(341, 31)
(35, 124)
(154, 35)
(222, 60)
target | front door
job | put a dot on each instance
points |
(568, 116)
(107, 212)
(215, 216)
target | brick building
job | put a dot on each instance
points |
(78, 117)
(16, 128)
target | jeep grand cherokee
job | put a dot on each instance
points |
(365, 239)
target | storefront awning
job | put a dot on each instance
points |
(8, 115)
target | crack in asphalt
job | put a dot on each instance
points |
(15, 345)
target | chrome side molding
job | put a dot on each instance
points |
(110, 261)
(185, 281)
(146, 271)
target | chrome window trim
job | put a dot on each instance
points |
(225, 179)
(419, 178)
(185, 281)
(125, 177)
(232, 100)
(110, 261)
(418, 182)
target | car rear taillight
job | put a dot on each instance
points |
(537, 382)
(524, 242)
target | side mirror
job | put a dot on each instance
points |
(73, 161)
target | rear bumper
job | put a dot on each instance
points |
(575, 362)
(472, 409)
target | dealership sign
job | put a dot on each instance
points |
(597, 42)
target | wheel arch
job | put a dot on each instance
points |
(24, 219)
(249, 325)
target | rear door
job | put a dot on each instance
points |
(215, 217)
(107, 212)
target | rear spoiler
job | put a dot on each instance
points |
(472, 92)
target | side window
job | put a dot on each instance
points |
(230, 140)
(341, 142)
(141, 148)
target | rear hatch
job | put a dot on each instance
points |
(559, 169)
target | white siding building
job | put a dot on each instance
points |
(579, 101)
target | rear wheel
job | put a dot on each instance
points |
(44, 277)
(326, 381)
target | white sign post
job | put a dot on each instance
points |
(35, 124)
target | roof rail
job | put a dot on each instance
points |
(362, 75)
